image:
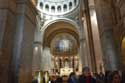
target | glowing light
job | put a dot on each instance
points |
(93, 18)
(36, 48)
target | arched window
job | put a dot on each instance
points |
(75, 2)
(65, 7)
(41, 5)
(59, 8)
(53, 8)
(47, 7)
(70, 5)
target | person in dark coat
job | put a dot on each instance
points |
(72, 78)
(86, 76)
(59, 80)
(115, 77)
(34, 81)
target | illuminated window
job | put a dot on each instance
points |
(70, 5)
(59, 8)
(47, 7)
(41, 5)
(53, 8)
(75, 2)
(65, 7)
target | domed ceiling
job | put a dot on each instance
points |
(57, 7)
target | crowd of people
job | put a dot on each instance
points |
(87, 77)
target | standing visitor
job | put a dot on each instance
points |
(86, 76)
(115, 77)
(72, 78)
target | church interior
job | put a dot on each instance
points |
(58, 37)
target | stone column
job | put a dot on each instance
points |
(7, 32)
(23, 43)
(36, 63)
(105, 17)
(86, 10)
(85, 59)
(83, 53)
(46, 59)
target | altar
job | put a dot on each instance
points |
(65, 71)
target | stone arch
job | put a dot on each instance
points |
(71, 28)
(62, 19)
(55, 27)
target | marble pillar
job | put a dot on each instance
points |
(106, 22)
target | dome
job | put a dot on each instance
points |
(57, 7)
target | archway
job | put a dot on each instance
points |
(61, 45)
